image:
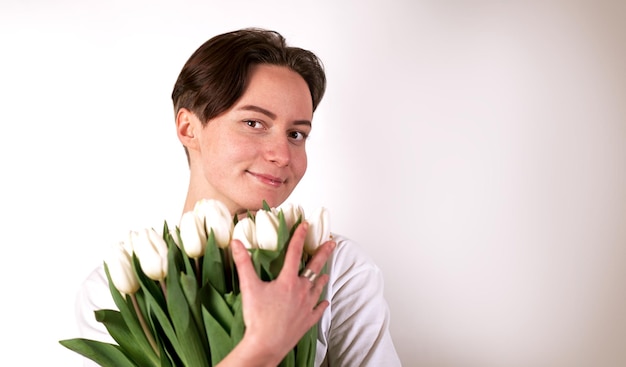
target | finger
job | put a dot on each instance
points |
(316, 263)
(318, 310)
(294, 251)
(319, 284)
(316, 313)
(316, 291)
(243, 262)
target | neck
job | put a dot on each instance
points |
(194, 195)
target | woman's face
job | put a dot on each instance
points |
(254, 151)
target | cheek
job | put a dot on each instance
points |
(300, 164)
(226, 151)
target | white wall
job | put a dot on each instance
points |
(476, 150)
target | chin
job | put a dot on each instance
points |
(257, 203)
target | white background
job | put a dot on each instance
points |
(476, 149)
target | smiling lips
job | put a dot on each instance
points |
(268, 179)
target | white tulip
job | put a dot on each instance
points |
(292, 213)
(151, 249)
(119, 262)
(215, 215)
(192, 234)
(319, 230)
(245, 231)
(266, 229)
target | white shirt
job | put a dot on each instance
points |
(354, 330)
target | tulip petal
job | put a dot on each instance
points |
(215, 215)
(319, 230)
(120, 267)
(266, 230)
(151, 252)
(292, 213)
(192, 235)
(245, 232)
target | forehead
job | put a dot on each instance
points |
(277, 89)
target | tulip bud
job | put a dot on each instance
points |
(192, 235)
(319, 230)
(292, 213)
(266, 230)
(151, 250)
(120, 267)
(215, 215)
(245, 231)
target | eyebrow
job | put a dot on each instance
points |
(270, 114)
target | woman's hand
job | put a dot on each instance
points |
(278, 313)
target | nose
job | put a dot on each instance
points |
(278, 151)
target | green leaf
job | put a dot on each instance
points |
(166, 360)
(276, 264)
(283, 232)
(229, 270)
(238, 326)
(151, 301)
(212, 266)
(262, 261)
(152, 304)
(182, 254)
(115, 325)
(305, 349)
(217, 306)
(104, 354)
(266, 207)
(129, 316)
(190, 289)
(218, 338)
(295, 225)
(148, 285)
(161, 324)
(192, 349)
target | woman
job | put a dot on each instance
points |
(244, 103)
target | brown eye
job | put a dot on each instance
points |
(297, 135)
(254, 124)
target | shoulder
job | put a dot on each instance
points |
(94, 292)
(354, 328)
(351, 265)
(97, 278)
(349, 253)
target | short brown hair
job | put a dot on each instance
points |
(215, 75)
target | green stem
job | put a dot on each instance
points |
(198, 272)
(164, 289)
(144, 326)
(230, 268)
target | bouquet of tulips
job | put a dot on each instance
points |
(177, 291)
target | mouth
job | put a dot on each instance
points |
(267, 179)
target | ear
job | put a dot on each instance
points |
(187, 123)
